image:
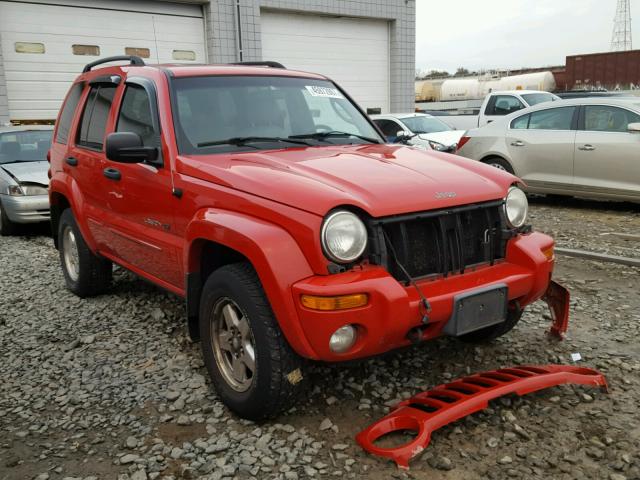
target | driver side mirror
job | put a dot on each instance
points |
(127, 147)
(634, 127)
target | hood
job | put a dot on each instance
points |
(380, 179)
(28, 172)
(448, 138)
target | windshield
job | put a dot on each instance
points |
(425, 124)
(24, 146)
(536, 98)
(218, 114)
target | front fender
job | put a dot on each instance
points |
(272, 251)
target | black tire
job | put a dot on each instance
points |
(7, 227)
(277, 379)
(94, 273)
(499, 163)
(491, 333)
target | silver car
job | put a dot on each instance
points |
(587, 147)
(23, 176)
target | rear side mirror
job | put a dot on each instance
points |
(127, 147)
(634, 127)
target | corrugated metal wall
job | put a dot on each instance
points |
(608, 70)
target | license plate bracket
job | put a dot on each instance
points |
(477, 310)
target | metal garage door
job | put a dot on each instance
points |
(352, 51)
(45, 46)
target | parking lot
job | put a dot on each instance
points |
(111, 387)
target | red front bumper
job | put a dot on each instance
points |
(394, 309)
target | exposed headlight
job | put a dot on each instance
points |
(21, 190)
(516, 207)
(438, 146)
(15, 190)
(343, 236)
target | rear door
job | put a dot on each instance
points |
(541, 146)
(142, 224)
(607, 154)
(85, 156)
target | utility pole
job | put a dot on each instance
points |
(621, 38)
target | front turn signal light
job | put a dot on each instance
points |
(342, 302)
(548, 252)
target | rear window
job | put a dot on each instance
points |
(536, 98)
(68, 110)
(95, 115)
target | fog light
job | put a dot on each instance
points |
(342, 339)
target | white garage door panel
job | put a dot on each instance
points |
(37, 83)
(352, 51)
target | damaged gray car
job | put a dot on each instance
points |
(24, 182)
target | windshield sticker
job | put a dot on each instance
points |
(328, 92)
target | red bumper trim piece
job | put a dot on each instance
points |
(557, 297)
(428, 411)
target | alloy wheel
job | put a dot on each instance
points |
(70, 253)
(233, 344)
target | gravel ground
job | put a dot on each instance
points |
(111, 387)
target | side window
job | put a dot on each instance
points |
(602, 118)
(68, 110)
(135, 115)
(94, 117)
(389, 128)
(503, 105)
(520, 123)
(552, 119)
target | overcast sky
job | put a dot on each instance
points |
(513, 33)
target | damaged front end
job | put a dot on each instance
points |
(557, 298)
(428, 411)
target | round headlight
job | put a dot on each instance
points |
(516, 207)
(344, 236)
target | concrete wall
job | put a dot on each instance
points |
(222, 33)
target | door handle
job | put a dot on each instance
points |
(517, 143)
(587, 148)
(112, 173)
(72, 161)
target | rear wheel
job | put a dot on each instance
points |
(494, 331)
(7, 227)
(254, 370)
(499, 163)
(86, 274)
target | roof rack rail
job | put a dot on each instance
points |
(261, 64)
(132, 59)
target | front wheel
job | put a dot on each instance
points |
(7, 227)
(254, 370)
(86, 274)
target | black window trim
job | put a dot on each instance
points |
(149, 87)
(581, 120)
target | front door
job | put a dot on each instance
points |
(142, 225)
(541, 145)
(607, 154)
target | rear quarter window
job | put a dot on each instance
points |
(67, 114)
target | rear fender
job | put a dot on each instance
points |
(274, 254)
(68, 188)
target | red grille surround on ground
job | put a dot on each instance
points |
(449, 402)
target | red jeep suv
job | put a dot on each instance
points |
(268, 200)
